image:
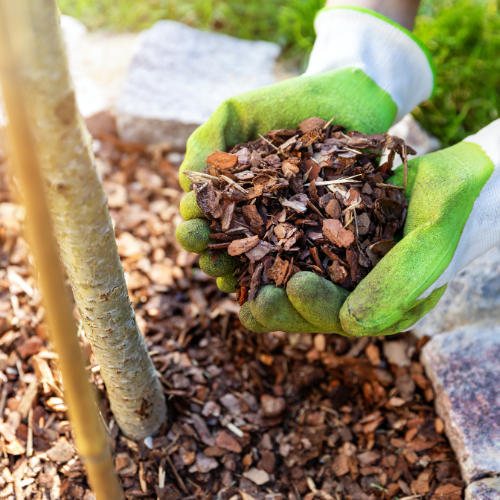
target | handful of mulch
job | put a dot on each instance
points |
(312, 199)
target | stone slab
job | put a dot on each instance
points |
(98, 63)
(179, 75)
(464, 368)
(484, 489)
(472, 298)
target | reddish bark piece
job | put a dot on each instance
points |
(257, 476)
(271, 406)
(337, 273)
(367, 189)
(353, 197)
(333, 209)
(336, 233)
(315, 256)
(340, 466)
(313, 169)
(227, 216)
(237, 247)
(258, 251)
(29, 347)
(289, 169)
(252, 215)
(228, 442)
(382, 247)
(387, 209)
(283, 229)
(222, 161)
(207, 200)
(363, 223)
(278, 271)
(203, 464)
(311, 124)
(255, 282)
(312, 191)
(61, 452)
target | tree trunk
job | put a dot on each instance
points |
(91, 438)
(84, 232)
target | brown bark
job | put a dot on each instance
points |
(84, 231)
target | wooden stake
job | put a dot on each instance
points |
(91, 439)
(82, 225)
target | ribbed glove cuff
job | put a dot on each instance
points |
(388, 53)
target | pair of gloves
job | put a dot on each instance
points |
(367, 72)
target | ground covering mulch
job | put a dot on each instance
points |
(251, 416)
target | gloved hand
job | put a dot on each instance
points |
(364, 71)
(453, 218)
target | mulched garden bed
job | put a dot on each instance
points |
(251, 416)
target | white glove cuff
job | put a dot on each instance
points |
(482, 230)
(386, 52)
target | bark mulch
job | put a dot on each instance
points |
(251, 416)
(308, 199)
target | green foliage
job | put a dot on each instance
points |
(463, 37)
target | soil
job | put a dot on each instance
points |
(251, 416)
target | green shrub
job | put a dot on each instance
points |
(463, 37)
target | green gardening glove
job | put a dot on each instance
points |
(453, 218)
(364, 71)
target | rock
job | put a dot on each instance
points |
(98, 63)
(178, 77)
(464, 370)
(61, 452)
(472, 298)
(485, 489)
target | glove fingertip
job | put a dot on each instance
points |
(227, 283)
(248, 320)
(317, 300)
(193, 235)
(273, 308)
(223, 264)
(189, 207)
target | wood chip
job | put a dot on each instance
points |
(222, 161)
(336, 233)
(237, 247)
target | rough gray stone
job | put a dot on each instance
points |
(178, 77)
(472, 298)
(98, 63)
(464, 369)
(485, 489)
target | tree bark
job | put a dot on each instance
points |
(85, 234)
(90, 436)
